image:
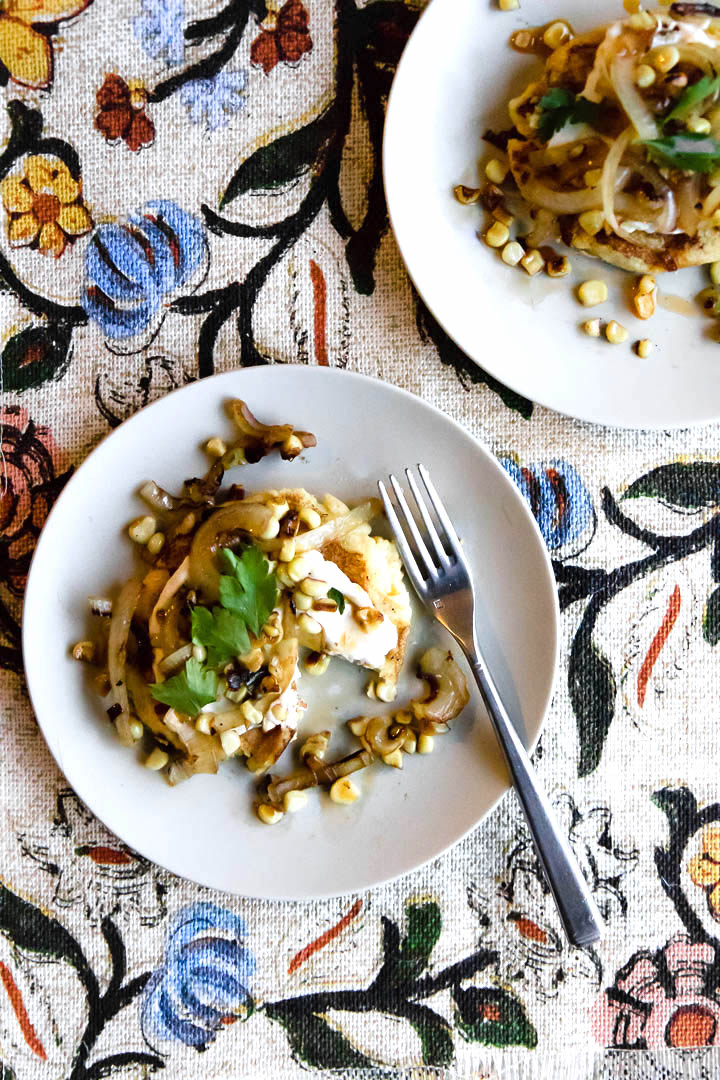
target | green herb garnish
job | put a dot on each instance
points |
(187, 692)
(252, 591)
(694, 95)
(223, 633)
(686, 150)
(337, 596)
(561, 107)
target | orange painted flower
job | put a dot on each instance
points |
(44, 205)
(284, 35)
(25, 38)
(704, 869)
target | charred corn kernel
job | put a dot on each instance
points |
(309, 625)
(644, 305)
(615, 333)
(512, 253)
(508, 5)
(644, 348)
(299, 568)
(102, 684)
(316, 745)
(314, 587)
(343, 791)
(699, 125)
(202, 724)
(591, 328)
(358, 725)
(497, 235)
(200, 653)
(292, 446)
(466, 195)
(496, 170)
(646, 284)
(591, 221)
(294, 801)
(142, 528)
(230, 742)
(155, 543)
(280, 713)
(426, 744)
(250, 714)
(558, 266)
(592, 292)
(631, 6)
(715, 273)
(592, 177)
(215, 447)
(271, 530)
(385, 691)
(370, 689)
(287, 551)
(394, 758)
(555, 34)
(664, 58)
(644, 76)
(317, 663)
(311, 517)
(85, 651)
(532, 262)
(642, 20)
(410, 742)
(269, 815)
(302, 601)
(501, 214)
(283, 577)
(137, 730)
(368, 618)
(158, 759)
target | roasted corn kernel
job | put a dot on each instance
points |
(299, 568)
(314, 587)
(715, 273)
(555, 34)
(497, 235)
(251, 715)
(512, 253)
(136, 730)
(466, 195)
(344, 791)
(141, 529)
(230, 742)
(410, 742)
(642, 20)
(310, 517)
(558, 266)
(592, 292)
(644, 76)
(592, 177)
(294, 801)
(316, 745)
(699, 125)
(85, 651)
(591, 327)
(532, 262)
(644, 348)
(215, 447)
(591, 221)
(496, 170)
(269, 815)
(302, 601)
(394, 758)
(426, 744)
(308, 624)
(158, 759)
(615, 333)
(287, 551)
(316, 663)
(664, 58)
(202, 724)
(385, 691)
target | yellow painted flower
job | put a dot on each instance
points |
(25, 50)
(704, 869)
(44, 205)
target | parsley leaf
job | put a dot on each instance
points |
(223, 633)
(338, 597)
(187, 692)
(561, 107)
(686, 150)
(693, 96)
(252, 592)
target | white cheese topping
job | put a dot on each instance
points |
(343, 635)
(290, 700)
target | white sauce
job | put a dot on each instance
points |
(343, 635)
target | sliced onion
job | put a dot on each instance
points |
(160, 628)
(667, 220)
(123, 610)
(251, 518)
(157, 498)
(623, 81)
(688, 195)
(608, 183)
(712, 202)
(204, 752)
(176, 659)
(338, 527)
(144, 706)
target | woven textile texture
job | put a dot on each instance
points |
(228, 158)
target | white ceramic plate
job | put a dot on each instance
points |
(205, 828)
(453, 83)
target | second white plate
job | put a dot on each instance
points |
(205, 828)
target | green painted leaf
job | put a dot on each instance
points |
(686, 485)
(35, 355)
(680, 807)
(424, 923)
(711, 618)
(284, 160)
(313, 1041)
(33, 931)
(493, 1017)
(438, 1048)
(593, 690)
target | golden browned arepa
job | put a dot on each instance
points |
(616, 147)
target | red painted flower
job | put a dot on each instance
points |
(122, 113)
(283, 36)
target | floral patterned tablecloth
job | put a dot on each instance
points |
(189, 187)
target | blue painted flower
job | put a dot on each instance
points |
(130, 268)
(160, 30)
(214, 100)
(204, 981)
(558, 498)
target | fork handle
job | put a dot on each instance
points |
(576, 906)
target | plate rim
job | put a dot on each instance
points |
(334, 374)
(658, 423)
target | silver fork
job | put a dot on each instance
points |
(443, 583)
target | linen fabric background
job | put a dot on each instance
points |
(191, 187)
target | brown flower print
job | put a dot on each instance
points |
(284, 35)
(45, 206)
(704, 869)
(122, 113)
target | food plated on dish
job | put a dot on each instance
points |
(200, 652)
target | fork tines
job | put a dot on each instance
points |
(414, 546)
